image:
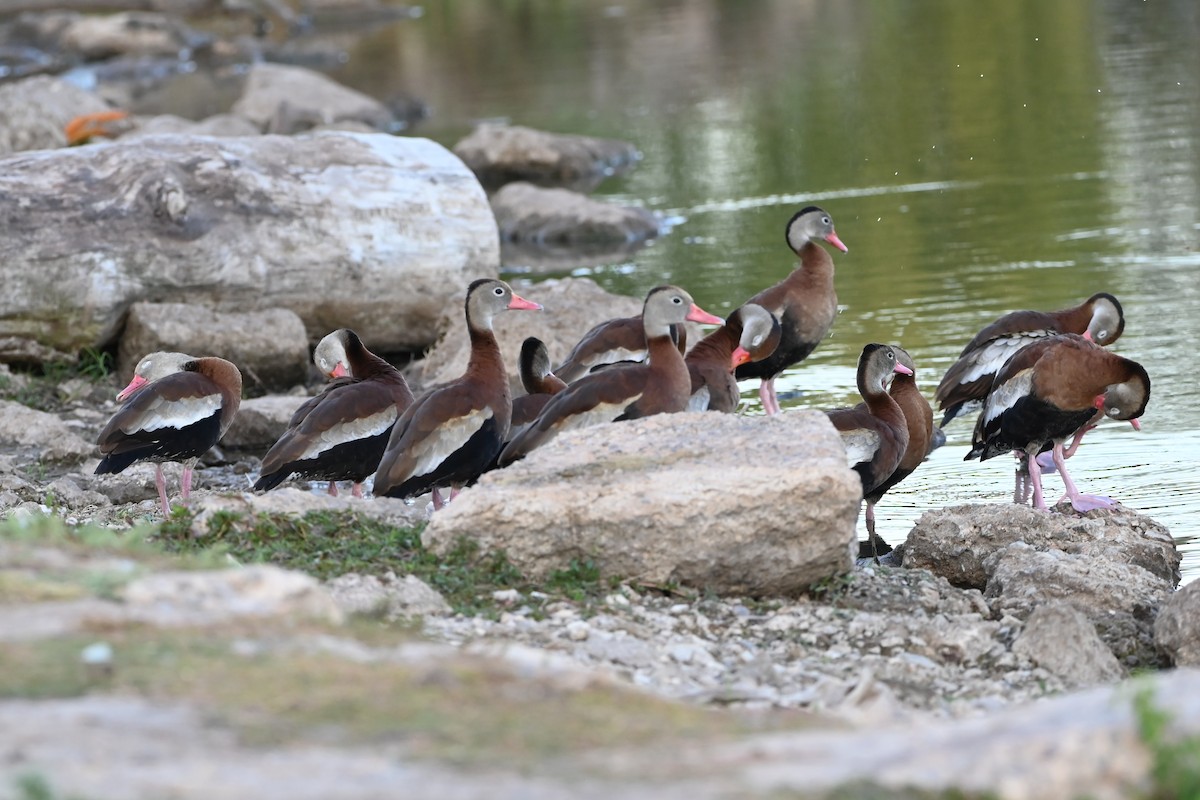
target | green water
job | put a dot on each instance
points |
(977, 157)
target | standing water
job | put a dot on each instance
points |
(977, 158)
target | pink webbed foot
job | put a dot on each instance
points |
(333, 490)
(1090, 502)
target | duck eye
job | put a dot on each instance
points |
(498, 291)
(677, 300)
(826, 220)
(1102, 334)
(757, 340)
(1114, 412)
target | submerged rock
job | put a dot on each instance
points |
(557, 217)
(499, 154)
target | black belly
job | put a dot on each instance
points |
(462, 467)
(164, 444)
(1033, 425)
(349, 461)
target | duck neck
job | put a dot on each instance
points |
(717, 347)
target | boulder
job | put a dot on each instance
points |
(297, 502)
(285, 99)
(270, 347)
(955, 542)
(531, 214)
(377, 233)
(1177, 628)
(656, 499)
(390, 597)
(1116, 567)
(1060, 638)
(499, 154)
(260, 421)
(217, 125)
(33, 115)
(128, 33)
(44, 436)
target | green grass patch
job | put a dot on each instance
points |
(1175, 767)
(327, 544)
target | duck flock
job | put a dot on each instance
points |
(1037, 379)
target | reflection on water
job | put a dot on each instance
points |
(976, 158)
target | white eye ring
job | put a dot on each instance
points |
(498, 291)
(1114, 412)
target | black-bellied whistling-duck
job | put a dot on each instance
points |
(175, 409)
(623, 392)
(750, 333)
(451, 434)
(918, 419)
(617, 341)
(967, 381)
(1045, 393)
(874, 433)
(804, 302)
(340, 434)
(539, 381)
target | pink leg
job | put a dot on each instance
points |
(161, 482)
(438, 502)
(454, 490)
(1070, 451)
(185, 482)
(766, 393)
(1079, 501)
(356, 490)
(333, 489)
(1035, 478)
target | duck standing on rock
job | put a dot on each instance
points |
(175, 409)
(750, 333)
(804, 302)
(918, 420)
(631, 391)
(1047, 392)
(451, 434)
(340, 434)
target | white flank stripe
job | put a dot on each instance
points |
(429, 453)
(1006, 395)
(351, 431)
(860, 445)
(604, 412)
(175, 414)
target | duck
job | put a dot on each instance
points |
(631, 391)
(874, 433)
(615, 341)
(340, 434)
(175, 408)
(750, 333)
(918, 420)
(804, 302)
(538, 380)
(452, 433)
(1046, 393)
(965, 385)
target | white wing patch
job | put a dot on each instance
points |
(174, 413)
(351, 431)
(431, 451)
(860, 444)
(603, 412)
(699, 401)
(615, 356)
(992, 356)
(1006, 395)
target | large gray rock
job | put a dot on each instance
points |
(1177, 628)
(43, 435)
(499, 154)
(269, 346)
(217, 125)
(531, 214)
(33, 115)
(373, 232)
(1061, 639)
(129, 33)
(1116, 567)
(284, 99)
(260, 421)
(674, 497)
(955, 542)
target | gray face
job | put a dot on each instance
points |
(488, 300)
(1123, 400)
(815, 225)
(757, 327)
(1106, 324)
(330, 352)
(160, 364)
(665, 306)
